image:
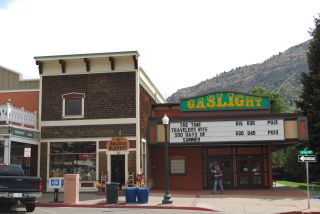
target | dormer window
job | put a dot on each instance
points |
(73, 105)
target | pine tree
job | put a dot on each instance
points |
(309, 103)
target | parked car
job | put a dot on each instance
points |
(18, 190)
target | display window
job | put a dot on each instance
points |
(73, 158)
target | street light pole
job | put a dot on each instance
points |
(167, 196)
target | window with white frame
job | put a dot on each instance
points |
(177, 165)
(73, 105)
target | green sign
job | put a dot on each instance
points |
(22, 133)
(225, 101)
(305, 152)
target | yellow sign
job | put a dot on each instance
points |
(225, 101)
(118, 144)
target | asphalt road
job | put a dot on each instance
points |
(76, 210)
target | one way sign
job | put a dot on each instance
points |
(307, 158)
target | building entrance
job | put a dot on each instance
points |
(250, 173)
(118, 169)
(226, 167)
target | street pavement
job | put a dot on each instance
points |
(280, 199)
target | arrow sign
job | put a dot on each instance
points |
(307, 158)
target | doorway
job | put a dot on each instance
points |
(226, 167)
(250, 173)
(118, 169)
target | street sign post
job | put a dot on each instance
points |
(305, 152)
(307, 158)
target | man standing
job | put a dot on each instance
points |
(218, 179)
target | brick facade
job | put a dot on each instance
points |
(146, 102)
(107, 95)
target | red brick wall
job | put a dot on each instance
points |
(146, 102)
(107, 95)
(27, 99)
(169, 112)
(193, 178)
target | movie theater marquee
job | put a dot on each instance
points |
(221, 131)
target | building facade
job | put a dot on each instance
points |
(19, 132)
(94, 113)
(233, 130)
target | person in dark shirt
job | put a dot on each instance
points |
(218, 179)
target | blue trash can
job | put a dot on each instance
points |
(143, 195)
(131, 194)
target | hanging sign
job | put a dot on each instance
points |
(221, 131)
(22, 133)
(225, 101)
(118, 144)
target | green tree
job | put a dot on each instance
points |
(309, 103)
(284, 161)
(278, 104)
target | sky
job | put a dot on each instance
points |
(180, 42)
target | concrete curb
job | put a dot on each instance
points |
(43, 204)
(301, 212)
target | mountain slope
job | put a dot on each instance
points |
(281, 72)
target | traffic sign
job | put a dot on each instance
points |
(305, 152)
(307, 158)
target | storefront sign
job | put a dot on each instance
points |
(118, 144)
(56, 182)
(27, 152)
(225, 101)
(221, 131)
(22, 133)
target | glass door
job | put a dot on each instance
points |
(226, 167)
(250, 173)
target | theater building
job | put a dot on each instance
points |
(19, 132)
(94, 110)
(235, 130)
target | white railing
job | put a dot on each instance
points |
(9, 114)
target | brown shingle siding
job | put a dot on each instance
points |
(88, 131)
(132, 162)
(103, 164)
(43, 164)
(107, 95)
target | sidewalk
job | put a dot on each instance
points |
(277, 200)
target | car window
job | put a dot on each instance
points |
(10, 170)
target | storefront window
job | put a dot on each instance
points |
(1, 151)
(177, 165)
(73, 158)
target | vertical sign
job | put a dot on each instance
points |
(27, 152)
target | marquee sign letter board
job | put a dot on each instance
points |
(221, 131)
